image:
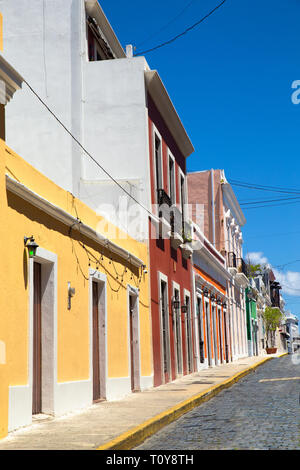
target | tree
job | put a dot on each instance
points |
(272, 317)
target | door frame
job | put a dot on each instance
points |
(48, 263)
(101, 280)
(133, 292)
(163, 278)
(177, 323)
(189, 350)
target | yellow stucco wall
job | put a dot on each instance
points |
(20, 219)
(1, 32)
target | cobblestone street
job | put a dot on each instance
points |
(259, 412)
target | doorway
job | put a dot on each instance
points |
(134, 349)
(165, 331)
(208, 336)
(98, 341)
(200, 329)
(189, 334)
(220, 335)
(37, 340)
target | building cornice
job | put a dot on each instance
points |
(232, 203)
(94, 10)
(162, 100)
(64, 217)
(10, 81)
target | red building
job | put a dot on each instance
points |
(170, 274)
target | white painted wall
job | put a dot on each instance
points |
(103, 104)
(42, 41)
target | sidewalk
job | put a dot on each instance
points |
(126, 423)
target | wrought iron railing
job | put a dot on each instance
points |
(176, 220)
(164, 204)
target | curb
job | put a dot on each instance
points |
(138, 434)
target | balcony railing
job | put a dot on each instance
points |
(176, 220)
(238, 263)
(164, 204)
(186, 231)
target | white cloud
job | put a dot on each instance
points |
(289, 280)
(257, 257)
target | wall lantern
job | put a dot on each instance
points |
(212, 297)
(31, 246)
(176, 304)
(71, 293)
(219, 302)
(205, 292)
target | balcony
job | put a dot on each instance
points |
(176, 227)
(238, 268)
(186, 247)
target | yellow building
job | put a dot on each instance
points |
(75, 318)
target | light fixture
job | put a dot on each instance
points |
(184, 308)
(205, 292)
(176, 303)
(71, 293)
(32, 246)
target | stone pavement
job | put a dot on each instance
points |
(126, 423)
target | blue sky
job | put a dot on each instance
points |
(230, 80)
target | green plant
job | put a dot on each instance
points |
(272, 317)
(254, 269)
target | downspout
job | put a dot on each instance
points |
(213, 207)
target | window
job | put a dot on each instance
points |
(172, 192)
(98, 49)
(158, 161)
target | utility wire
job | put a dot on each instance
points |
(166, 25)
(264, 188)
(87, 153)
(184, 32)
(272, 205)
(268, 200)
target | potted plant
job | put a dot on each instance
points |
(272, 317)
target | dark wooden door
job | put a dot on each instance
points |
(189, 335)
(132, 363)
(37, 341)
(220, 335)
(164, 312)
(201, 341)
(96, 346)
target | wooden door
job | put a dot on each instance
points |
(96, 346)
(220, 335)
(132, 358)
(37, 341)
(201, 341)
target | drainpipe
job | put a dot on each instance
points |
(213, 207)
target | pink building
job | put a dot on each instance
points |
(222, 221)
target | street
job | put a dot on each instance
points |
(261, 412)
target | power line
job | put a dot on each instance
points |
(272, 205)
(184, 32)
(268, 200)
(86, 152)
(167, 24)
(274, 189)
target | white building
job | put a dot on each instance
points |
(70, 55)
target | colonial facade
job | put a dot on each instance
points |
(213, 344)
(119, 109)
(75, 325)
(222, 223)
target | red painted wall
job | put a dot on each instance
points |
(164, 259)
